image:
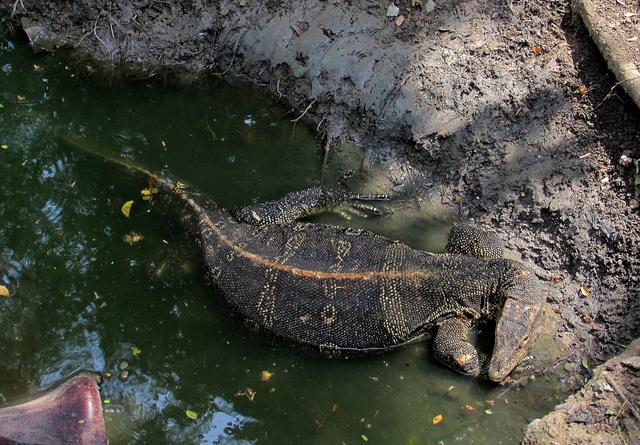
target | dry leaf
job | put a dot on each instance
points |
(399, 20)
(437, 419)
(583, 90)
(334, 408)
(250, 393)
(536, 50)
(126, 208)
(584, 291)
(265, 376)
(133, 238)
(296, 28)
(4, 291)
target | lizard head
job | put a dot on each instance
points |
(518, 325)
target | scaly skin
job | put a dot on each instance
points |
(342, 289)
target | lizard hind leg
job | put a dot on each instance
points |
(451, 347)
(467, 239)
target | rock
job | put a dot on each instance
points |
(631, 362)
(625, 160)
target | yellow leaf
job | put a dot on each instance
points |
(126, 208)
(4, 146)
(265, 376)
(437, 419)
(4, 292)
(133, 238)
(191, 414)
(584, 291)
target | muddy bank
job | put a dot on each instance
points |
(604, 412)
(499, 112)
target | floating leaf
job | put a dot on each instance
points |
(365, 438)
(126, 208)
(132, 238)
(437, 419)
(4, 291)
(106, 401)
(584, 291)
(488, 411)
(4, 146)
(250, 393)
(334, 408)
(147, 193)
(136, 351)
(265, 376)
(191, 414)
(20, 98)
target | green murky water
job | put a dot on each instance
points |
(82, 298)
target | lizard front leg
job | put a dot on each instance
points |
(452, 347)
(302, 203)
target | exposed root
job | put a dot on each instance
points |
(15, 6)
(617, 84)
(295, 121)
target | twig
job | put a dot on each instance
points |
(327, 148)
(505, 391)
(632, 408)
(95, 33)
(15, 6)
(295, 121)
(610, 93)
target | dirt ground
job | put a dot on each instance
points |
(504, 110)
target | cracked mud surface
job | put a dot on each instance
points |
(502, 112)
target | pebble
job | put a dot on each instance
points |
(625, 160)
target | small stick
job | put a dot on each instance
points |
(95, 33)
(632, 408)
(15, 6)
(295, 121)
(610, 93)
